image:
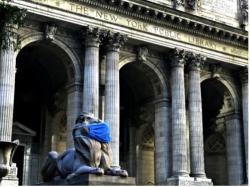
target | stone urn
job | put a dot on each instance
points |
(7, 150)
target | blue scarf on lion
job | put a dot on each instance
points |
(99, 132)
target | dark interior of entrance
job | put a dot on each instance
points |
(40, 74)
(136, 117)
(18, 158)
(213, 96)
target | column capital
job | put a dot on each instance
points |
(12, 18)
(114, 41)
(9, 37)
(195, 61)
(93, 36)
(244, 75)
(177, 57)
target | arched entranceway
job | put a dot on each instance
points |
(221, 130)
(41, 103)
(140, 86)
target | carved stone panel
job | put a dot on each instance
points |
(225, 11)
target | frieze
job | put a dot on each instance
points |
(150, 28)
(173, 20)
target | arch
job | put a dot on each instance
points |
(163, 83)
(75, 61)
(229, 86)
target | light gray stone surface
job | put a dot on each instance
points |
(244, 89)
(91, 72)
(179, 144)
(7, 86)
(162, 142)
(112, 92)
(234, 150)
(195, 119)
(188, 181)
(74, 106)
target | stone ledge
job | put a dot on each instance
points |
(93, 180)
(189, 181)
(9, 181)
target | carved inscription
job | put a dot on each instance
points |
(202, 42)
(167, 33)
(145, 27)
(79, 9)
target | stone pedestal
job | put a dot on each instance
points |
(94, 180)
(11, 179)
(189, 181)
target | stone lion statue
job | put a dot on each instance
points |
(91, 152)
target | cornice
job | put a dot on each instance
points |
(174, 19)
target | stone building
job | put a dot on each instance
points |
(169, 76)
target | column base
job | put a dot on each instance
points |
(189, 181)
(5, 181)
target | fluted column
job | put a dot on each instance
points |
(195, 116)
(234, 150)
(91, 71)
(162, 141)
(112, 92)
(74, 106)
(244, 89)
(179, 144)
(7, 82)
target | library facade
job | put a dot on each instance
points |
(169, 76)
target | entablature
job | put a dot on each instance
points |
(78, 15)
(174, 19)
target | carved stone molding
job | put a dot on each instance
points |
(195, 61)
(216, 70)
(177, 57)
(177, 3)
(244, 12)
(50, 31)
(191, 4)
(142, 53)
(114, 41)
(73, 87)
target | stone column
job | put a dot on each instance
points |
(74, 106)
(112, 92)
(195, 116)
(91, 71)
(234, 150)
(7, 82)
(244, 90)
(162, 141)
(179, 144)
